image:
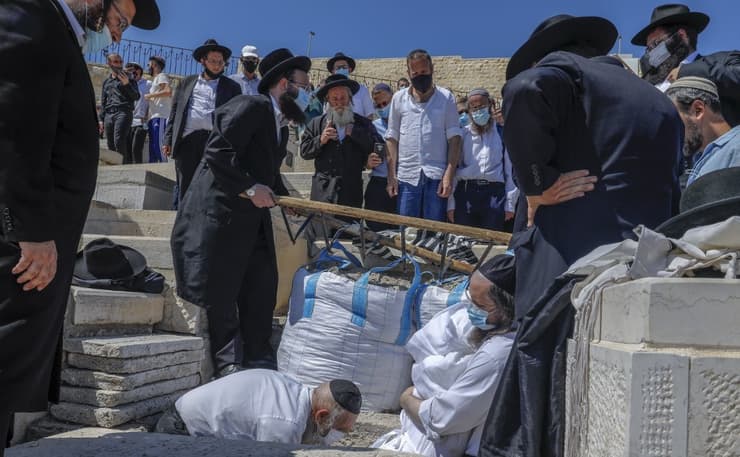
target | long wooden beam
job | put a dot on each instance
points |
(393, 219)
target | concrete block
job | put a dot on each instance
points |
(156, 249)
(107, 381)
(133, 346)
(714, 407)
(49, 425)
(135, 365)
(181, 316)
(673, 311)
(112, 417)
(110, 307)
(111, 398)
(22, 422)
(133, 189)
(129, 222)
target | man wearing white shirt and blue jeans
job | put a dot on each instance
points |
(423, 141)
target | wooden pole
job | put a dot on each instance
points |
(392, 219)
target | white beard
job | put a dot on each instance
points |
(340, 118)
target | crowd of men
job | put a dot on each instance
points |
(578, 136)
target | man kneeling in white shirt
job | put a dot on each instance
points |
(265, 405)
(458, 359)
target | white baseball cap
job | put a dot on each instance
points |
(250, 51)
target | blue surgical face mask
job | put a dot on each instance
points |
(383, 112)
(481, 116)
(96, 41)
(464, 119)
(477, 316)
(342, 71)
(303, 99)
(332, 437)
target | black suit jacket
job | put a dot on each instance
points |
(213, 222)
(225, 91)
(724, 69)
(48, 167)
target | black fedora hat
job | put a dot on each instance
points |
(558, 31)
(712, 198)
(671, 15)
(274, 65)
(147, 15)
(340, 56)
(208, 46)
(337, 81)
(103, 259)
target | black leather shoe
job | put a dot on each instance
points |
(228, 369)
(267, 363)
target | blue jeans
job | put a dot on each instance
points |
(422, 200)
(480, 206)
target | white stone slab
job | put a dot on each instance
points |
(181, 316)
(112, 417)
(110, 307)
(130, 222)
(108, 381)
(113, 398)
(133, 346)
(134, 365)
(673, 311)
(133, 189)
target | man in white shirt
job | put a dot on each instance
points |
(485, 193)
(362, 103)
(160, 105)
(247, 78)
(265, 405)
(141, 110)
(423, 140)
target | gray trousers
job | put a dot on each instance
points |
(117, 131)
(171, 423)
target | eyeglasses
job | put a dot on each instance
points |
(656, 42)
(215, 62)
(301, 85)
(122, 21)
(341, 67)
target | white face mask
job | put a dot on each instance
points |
(332, 437)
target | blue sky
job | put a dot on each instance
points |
(391, 28)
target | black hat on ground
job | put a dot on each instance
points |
(104, 259)
(346, 394)
(147, 14)
(558, 31)
(340, 56)
(712, 198)
(672, 14)
(209, 46)
(501, 270)
(337, 81)
(274, 65)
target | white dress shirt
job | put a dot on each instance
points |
(141, 108)
(422, 131)
(249, 86)
(280, 120)
(362, 102)
(261, 405)
(483, 157)
(202, 106)
(666, 84)
(160, 106)
(79, 31)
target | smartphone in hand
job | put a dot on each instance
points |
(379, 148)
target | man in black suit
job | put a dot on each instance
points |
(222, 244)
(48, 169)
(191, 118)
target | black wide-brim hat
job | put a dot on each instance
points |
(712, 198)
(147, 15)
(672, 14)
(211, 45)
(337, 81)
(275, 64)
(558, 31)
(103, 259)
(340, 56)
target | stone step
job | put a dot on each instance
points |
(134, 189)
(112, 398)
(133, 346)
(156, 249)
(130, 222)
(133, 365)
(110, 307)
(112, 417)
(108, 381)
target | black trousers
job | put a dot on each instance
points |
(377, 199)
(187, 157)
(137, 138)
(241, 302)
(5, 431)
(117, 131)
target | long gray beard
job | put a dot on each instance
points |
(340, 118)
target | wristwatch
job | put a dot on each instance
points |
(250, 192)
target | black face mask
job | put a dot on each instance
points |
(249, 65)
(657, 63)
(211, 74)
(422, 83)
